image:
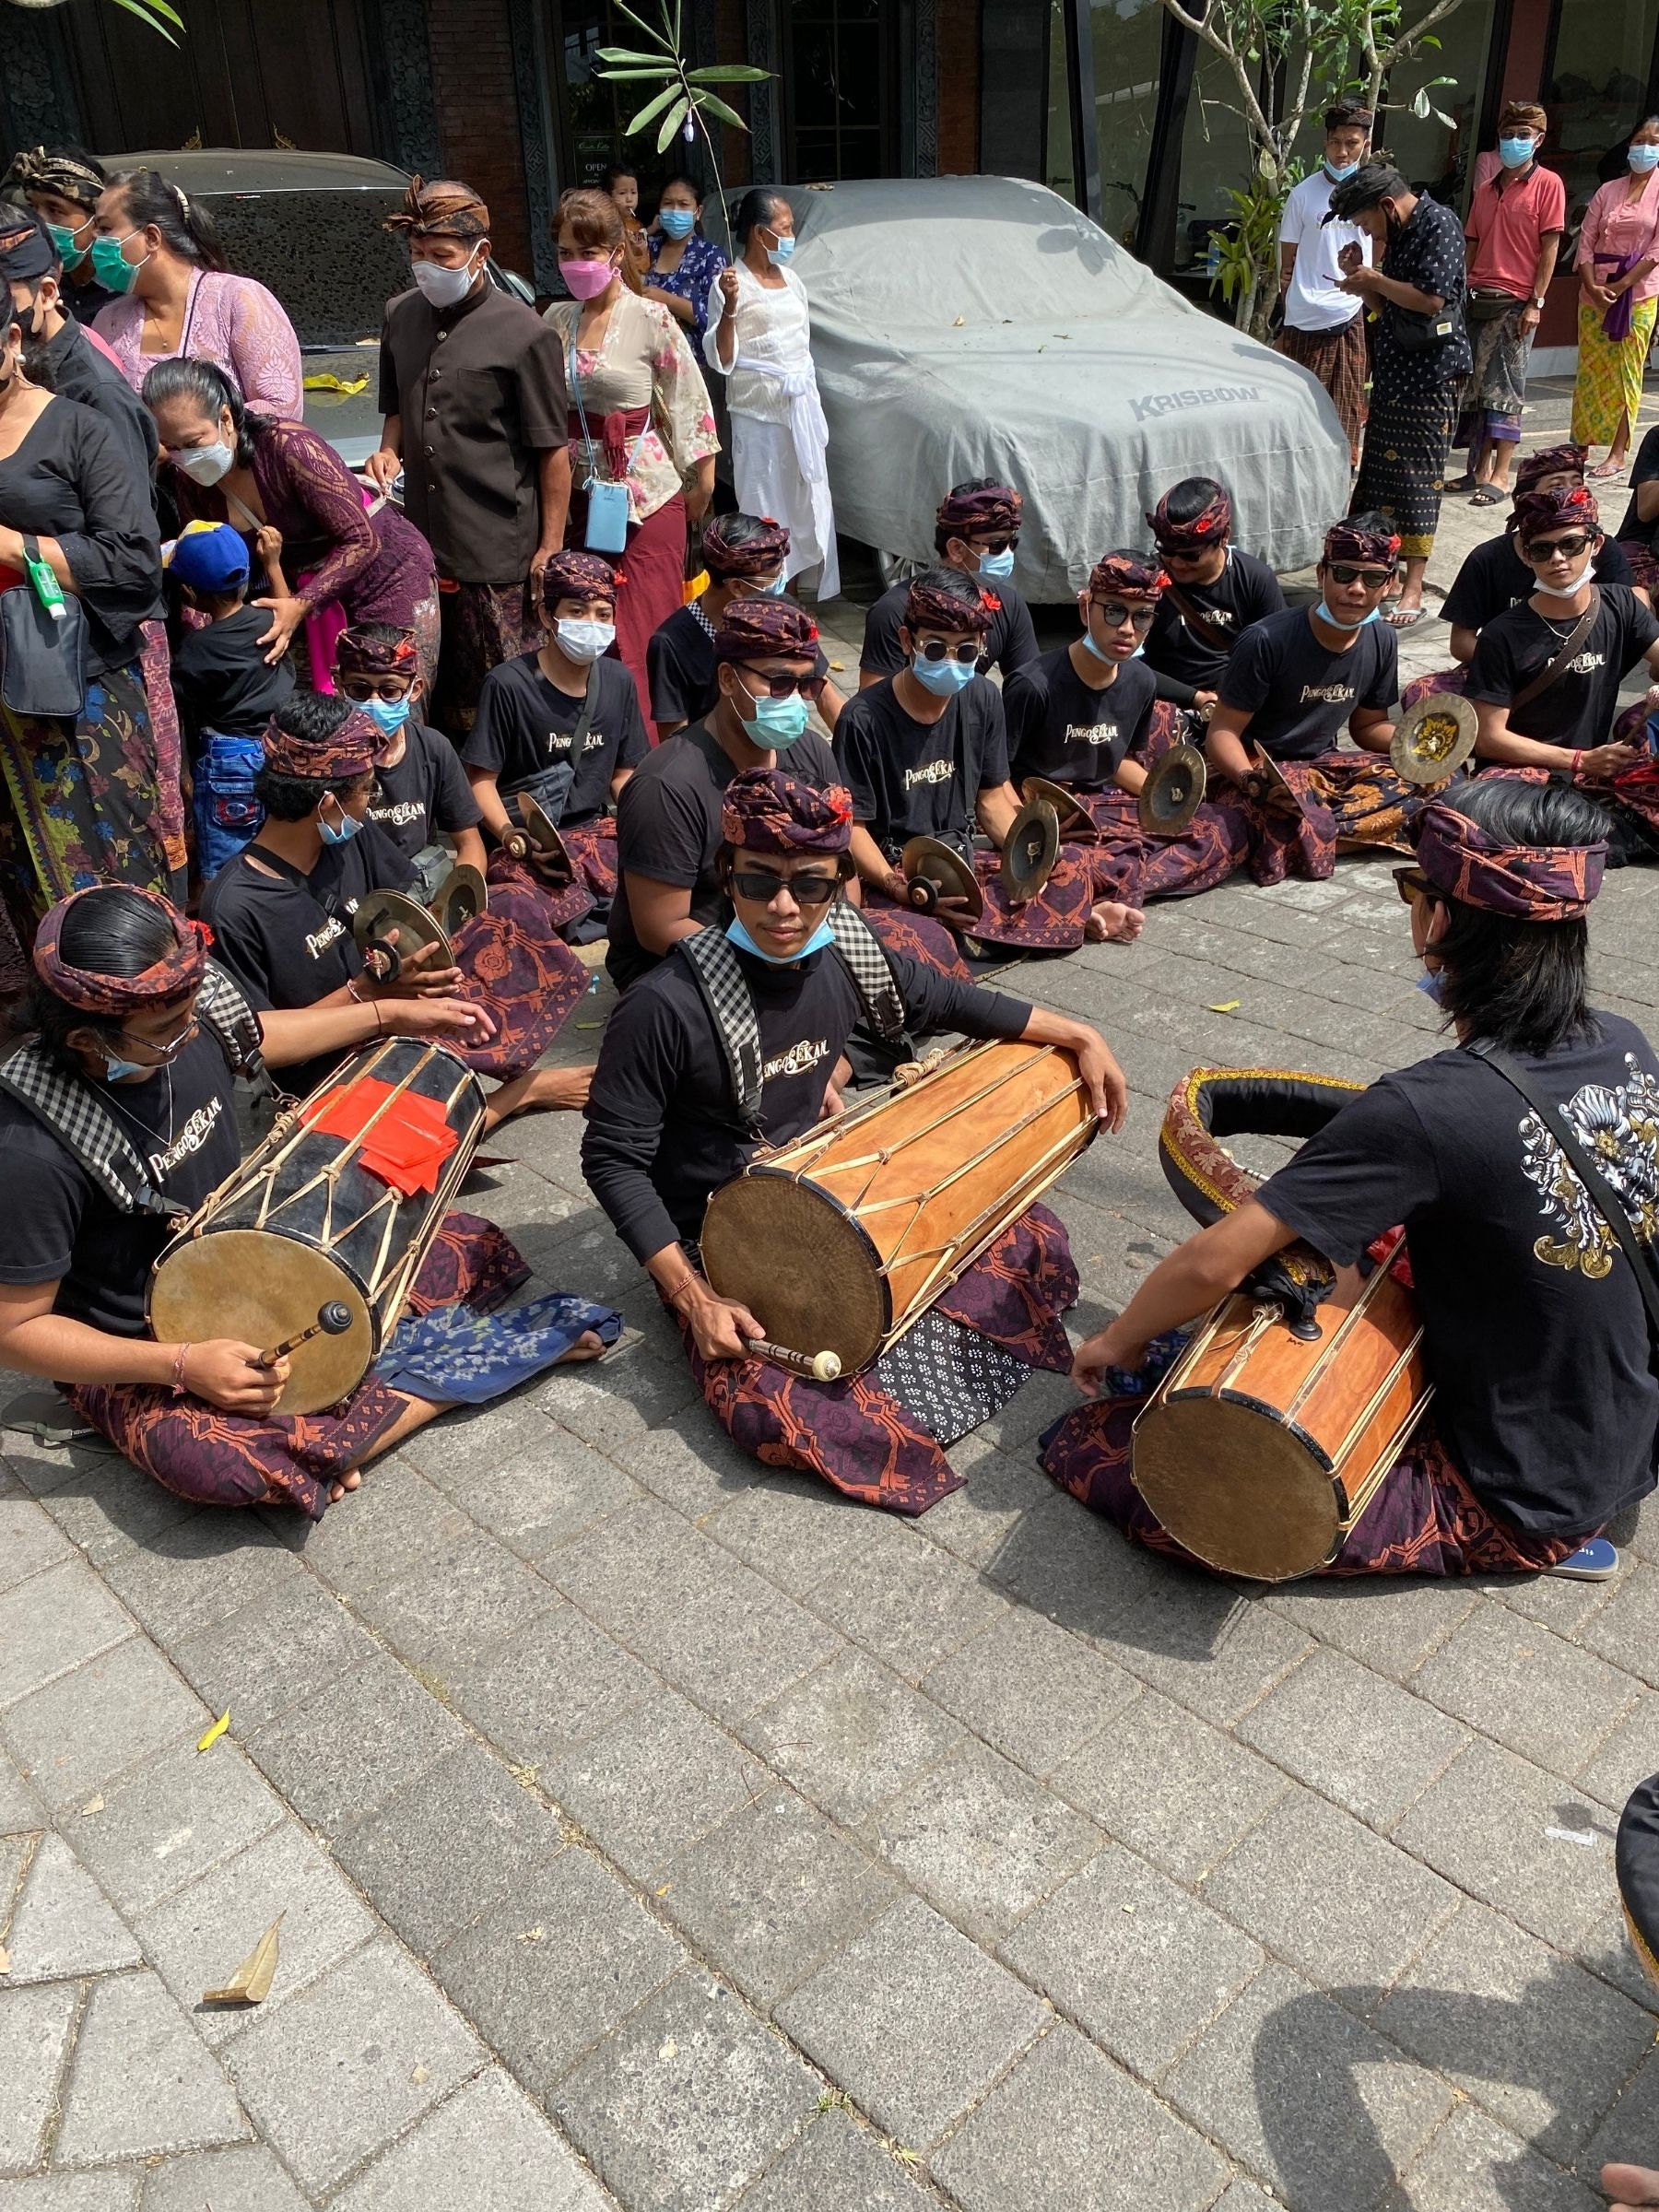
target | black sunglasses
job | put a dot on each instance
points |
(1412, 884)
(1538, 549)
(1114, 613)
(1343, 572)
(935, 648)
(994, 544)
(806, 890)
(785, 687)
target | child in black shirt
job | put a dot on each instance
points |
(222, 678)
(745, 557)
(976, 533)
(1213, 591)
(422, 800)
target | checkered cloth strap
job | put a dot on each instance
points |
(83, 1124)
(871, 971)
(731, 1005)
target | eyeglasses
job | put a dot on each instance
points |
(935, 648)
(166, 1048)
(994, 545)
(364, 688)
(1343, 572)
(1192, 550)
(1412, 884)
(806, 890)
(1114, 613)
(785, 686)
(1538, 550)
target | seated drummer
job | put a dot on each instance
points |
(976, 533)
(1565, 726)
(1214, 592)
(529, 709)
(1292, 684)
(1084, 716)
(421, 798)
(118, 1119)
(664, 1132)
(745, 557)
(1545, 1410)
(1494, 578)
(281, 913)
(926, 754)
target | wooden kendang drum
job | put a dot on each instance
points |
(1270, 1435)
(840, 1241)
(306, 1249)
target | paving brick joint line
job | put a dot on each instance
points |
(652, 1831)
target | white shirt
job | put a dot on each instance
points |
(773, 329)
(1314, 300)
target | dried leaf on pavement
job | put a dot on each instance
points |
(251, 1983)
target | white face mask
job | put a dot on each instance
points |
(584, 642)
(443, 287)
(204, 463)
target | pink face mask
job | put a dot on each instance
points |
(586, 279)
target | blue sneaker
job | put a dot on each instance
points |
(1596, 1561)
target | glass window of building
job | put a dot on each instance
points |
(595, 110)
(839, 88)
(1431, 156)
(1597, 89)
(1216, 159)
(1126, 39)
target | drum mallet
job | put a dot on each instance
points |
(333, 1320)
(822, 1367)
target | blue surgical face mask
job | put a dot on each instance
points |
(1515, 153)
(997, 564)
(1644, 158)
(1350, 628)
(1431, 986)
(944, 679)
(775, 589)
(117, 1069)
(1340, 171)
(737, 935)
(348, 829)
(780, 253)
(776, 722)
(388, 716)
(676, 222)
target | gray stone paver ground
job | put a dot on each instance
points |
(652, 1831)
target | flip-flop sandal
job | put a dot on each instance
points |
(1605, 469)
(1465, 483)
(1596, 1561)
(1404, 617)
(1487, 496)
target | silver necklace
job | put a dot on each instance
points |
(147, 1133)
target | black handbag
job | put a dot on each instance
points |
(1415, 332)
(42, 662)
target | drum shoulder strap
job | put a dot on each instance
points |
(227, 1015)
(731, 1004)
(871, 971)
(86, 1128)
(1560, 666)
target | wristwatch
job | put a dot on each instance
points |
(1538, 304)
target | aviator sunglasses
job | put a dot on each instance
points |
(806, 890)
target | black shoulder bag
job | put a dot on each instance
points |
(1597, 1189)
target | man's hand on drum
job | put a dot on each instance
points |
(1102, 1078)
(426, 1017)
(723, 1329)
(228, 1374)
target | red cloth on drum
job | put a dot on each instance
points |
(855, 1434)
(1423, 1520)
(900, 929)
(514, 966)
(218, 1458)
(653, 582)
(1053, 922)
(1349, 798)
(405, 1136)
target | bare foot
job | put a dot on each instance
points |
(1113, 923)
(347, 1482)
(1631, 2186)
(588, 1345)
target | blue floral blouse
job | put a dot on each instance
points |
(700, 265)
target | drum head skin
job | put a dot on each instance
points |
(391, 918)
(1432, 741)
(1030, 850)
(1235, 1488)
(1071, 813)
(805, 1270)
(927, 862)
(1173, 792)
(1636, 1861)
(459, 898)
(543, 833)
(261, 1288)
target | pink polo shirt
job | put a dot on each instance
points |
(1508, 222)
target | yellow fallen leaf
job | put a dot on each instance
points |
(419, 2074)
(533, 1936)
(959, 322)
(335, 383)
(93, 1805)
(206, 1742)
(251, 1983)
(839, 666)
(1226, 1005)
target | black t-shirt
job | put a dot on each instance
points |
(921, 779)
(1633, 529)
(679, 661)
(1245, 592)
(661, 1133)
(1010, 643)
(1069, 731)
(286, 937)
(220, 681)
(425, 792)
(59, 1226)
(1535, 1335)
(1300, 693)
(525, 726)
(668, 828)
(1579, 707)
(1494, 578)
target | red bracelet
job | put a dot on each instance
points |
(178, 1370)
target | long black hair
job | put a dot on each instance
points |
(109, 931)
(1374, 181)
(1520, 983)
(208, 387)
(151, 202)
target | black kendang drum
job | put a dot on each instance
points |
(304, 1247)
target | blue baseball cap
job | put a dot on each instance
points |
(208, 556)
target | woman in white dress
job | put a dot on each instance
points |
(760, 343)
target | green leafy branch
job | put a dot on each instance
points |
(686, 102)
(155, 15)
